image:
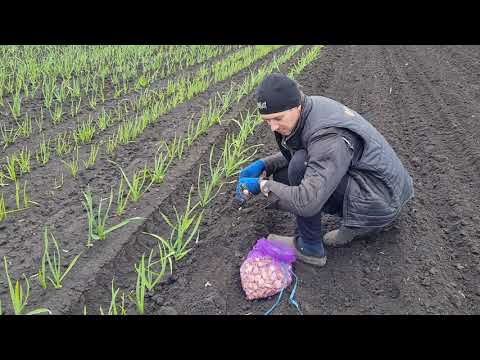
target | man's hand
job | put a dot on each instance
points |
(253, 170)
(247, 186)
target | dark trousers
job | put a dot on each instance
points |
(309, 228)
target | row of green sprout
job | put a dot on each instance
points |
(156, 103)
(182, 232)
(90, 86)
(75, 71)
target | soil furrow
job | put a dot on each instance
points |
(444, 197)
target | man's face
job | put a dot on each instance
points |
(283, 122)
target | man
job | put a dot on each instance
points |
(331, 160)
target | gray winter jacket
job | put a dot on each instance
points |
(378, 185)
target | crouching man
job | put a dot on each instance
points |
(331, 160)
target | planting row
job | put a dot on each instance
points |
(59, 73)
(59, 100)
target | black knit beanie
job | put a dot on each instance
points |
(277, 93)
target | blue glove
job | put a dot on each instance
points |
(253, 170)
(250, 184)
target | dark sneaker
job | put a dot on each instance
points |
(313, 255)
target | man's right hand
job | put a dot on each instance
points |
(253, 170)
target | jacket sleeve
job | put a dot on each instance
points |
(274, 162)
(328, 160)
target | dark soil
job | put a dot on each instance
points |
(423, 99)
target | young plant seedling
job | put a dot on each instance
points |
(112, 310)
(111, 144)
(92, 157)
(10, 167)
(75, 108)
(140, 287)
(42, 273)
(18, 298)
(24, 128)
(54, 262)
(159, 170)
(72, 165)
(104, 120)
(84, 132)
(8, 135)
(97, 229)
(57, 114)
(123, 310)
(205, 191)
(138, 182)
(122, 199)
(174, 149)
(40, 121)
(26, 199)
(63, 144)
(152, 278)
(15, 109)
(23, 161)
(234, 155)
(3, 210)
(43, 153)
(182, 231)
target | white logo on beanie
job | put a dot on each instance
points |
(262, 105)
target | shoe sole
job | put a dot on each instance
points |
(289, 240)
(311, 260)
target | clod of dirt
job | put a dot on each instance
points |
(415, 161)
(158, 299)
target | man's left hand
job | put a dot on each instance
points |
(250, 185)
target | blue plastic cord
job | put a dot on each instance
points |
(291, 299)
(279, 297)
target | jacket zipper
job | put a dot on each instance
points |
(284, 144)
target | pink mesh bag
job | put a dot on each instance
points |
(267, 270)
